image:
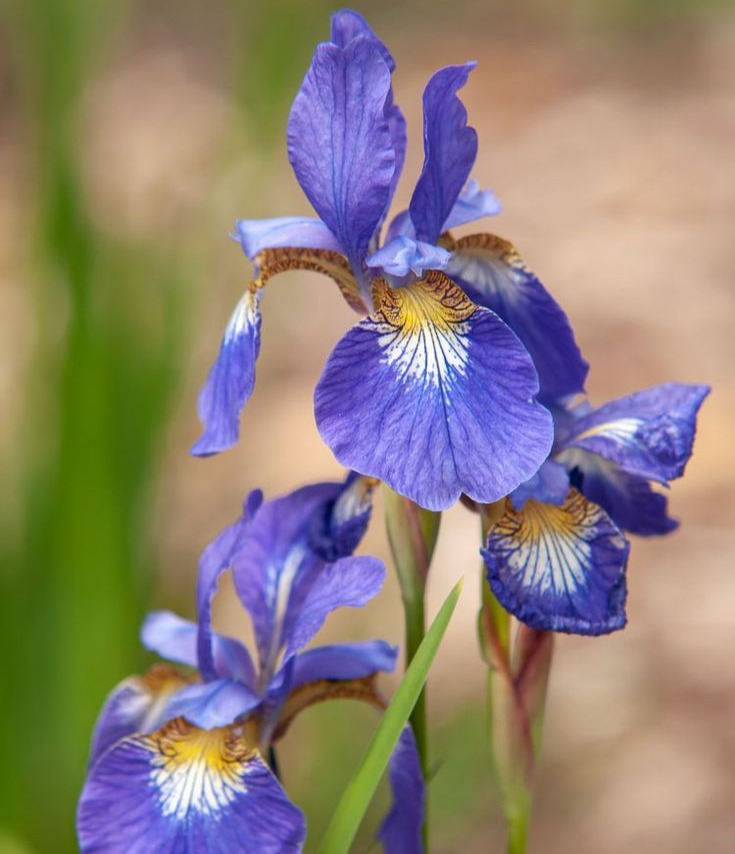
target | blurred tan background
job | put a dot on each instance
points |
(607, 131)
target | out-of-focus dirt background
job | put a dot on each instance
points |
(607, 130)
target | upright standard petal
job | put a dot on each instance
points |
(450, 149)
(231, 379)
(559, 569)
(347, 26)
(628, 499)
(138, 704)
(186, 791)
(492, 273)
(218, 658)
(649, 433)
(339, 142)
(273, 556)
(473, 204)
(434, 396)
(320, 588)
(401, 831)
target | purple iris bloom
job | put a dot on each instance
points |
(434, 390)
(556, 558)
(176, 762)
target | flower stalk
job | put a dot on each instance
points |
(519, 662)
(412, 534)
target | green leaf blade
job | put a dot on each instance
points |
(359, 792)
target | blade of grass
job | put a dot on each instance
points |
(358, 794)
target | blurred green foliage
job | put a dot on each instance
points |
(99, 393)
(111, 321)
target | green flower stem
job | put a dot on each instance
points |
(519, 662)
(412, 533)
(517, 824)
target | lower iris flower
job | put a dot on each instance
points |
(556, 555)
(177, 761)
(432, 391)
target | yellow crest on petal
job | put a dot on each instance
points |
(197, 769)
(423, 328)
(434, 301)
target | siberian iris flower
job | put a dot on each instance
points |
(556, 557)
(432, 391)
(177, 756)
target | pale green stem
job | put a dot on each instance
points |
(517, 823)
(517, 682)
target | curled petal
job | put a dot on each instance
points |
(339, 141)
(492, 273)
(559, 568)
(271, 262)
(310, 693)
(649, 433)
(472, 204)
(401, 831)
(187, 791)
(137, 704)
(434, 396)
(403, 255)
(450, 148)
(339, 530)
(231, 379)
(627, 498)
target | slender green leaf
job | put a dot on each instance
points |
(358, 794)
